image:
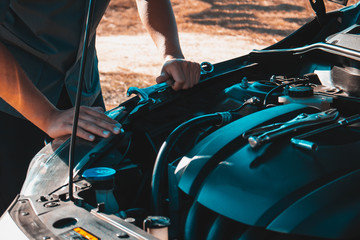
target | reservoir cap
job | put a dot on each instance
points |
(99, 174)
(301, 91)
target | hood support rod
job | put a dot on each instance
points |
(88, 23)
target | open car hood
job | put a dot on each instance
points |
(265, 147)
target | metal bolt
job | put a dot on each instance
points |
(244, 83)
(101, 207)
(130, 220)
(122, 235)
(51, 204)
(42, 199)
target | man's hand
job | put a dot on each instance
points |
(180, 73)
(92, 121)
(159, 20)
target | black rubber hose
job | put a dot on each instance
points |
(160, 165)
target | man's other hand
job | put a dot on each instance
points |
(180, 73)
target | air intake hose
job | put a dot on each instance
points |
(160, 165)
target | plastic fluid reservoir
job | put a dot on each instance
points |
(102, 180)
(305, 95)
(157, 226)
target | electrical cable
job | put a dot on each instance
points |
(282, 86)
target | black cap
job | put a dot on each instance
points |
(301, 91)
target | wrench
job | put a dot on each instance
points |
(280, 129)
(144, 93)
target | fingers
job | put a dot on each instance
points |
(92, 122)
(163, 77)
(98, 109)
(88, 130)
(95, 114)
(185, 74)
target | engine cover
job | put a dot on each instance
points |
(277, 186)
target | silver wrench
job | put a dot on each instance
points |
(144, 93)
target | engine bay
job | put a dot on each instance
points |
(265, 147)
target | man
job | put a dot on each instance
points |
(40, 53)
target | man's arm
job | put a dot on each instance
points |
(158, 18)
(19, 92)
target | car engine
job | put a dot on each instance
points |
(267, 146)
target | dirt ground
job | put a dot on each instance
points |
(209, 30)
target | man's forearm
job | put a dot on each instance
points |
(18, 91)
(158, 18)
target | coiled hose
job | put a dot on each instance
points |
(160, 166)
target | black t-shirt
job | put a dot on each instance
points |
(45, 37)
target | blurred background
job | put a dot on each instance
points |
(209, 30)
